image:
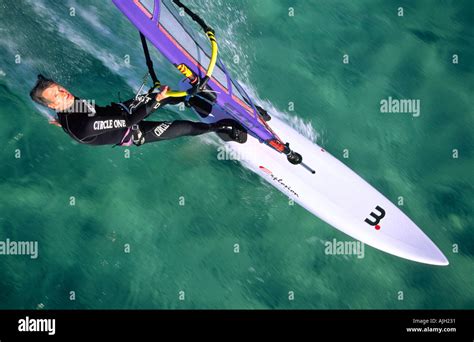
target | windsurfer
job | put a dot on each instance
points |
(122, 123)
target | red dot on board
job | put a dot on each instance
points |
(377, 227)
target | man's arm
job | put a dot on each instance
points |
(139, 110)
(100, 124)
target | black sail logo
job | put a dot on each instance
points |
(376, 217)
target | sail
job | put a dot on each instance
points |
(180, 40)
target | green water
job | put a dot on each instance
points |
(137, 201)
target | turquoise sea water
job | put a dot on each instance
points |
(136, 201)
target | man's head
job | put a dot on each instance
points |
(48, 93)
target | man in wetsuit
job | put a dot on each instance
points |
(122, 124)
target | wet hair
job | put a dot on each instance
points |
(41, 85)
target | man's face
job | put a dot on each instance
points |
(59, 98)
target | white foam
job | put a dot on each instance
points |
(9, 45)
(232, 24)
(45, 112)
(110, 61)
(91, 17)
(305, 128)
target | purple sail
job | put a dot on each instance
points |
(172, 34)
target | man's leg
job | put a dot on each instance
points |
(166, 130)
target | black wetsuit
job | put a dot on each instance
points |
(118, 124)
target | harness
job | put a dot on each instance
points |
(137, 138)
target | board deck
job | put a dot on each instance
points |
(339, 196)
